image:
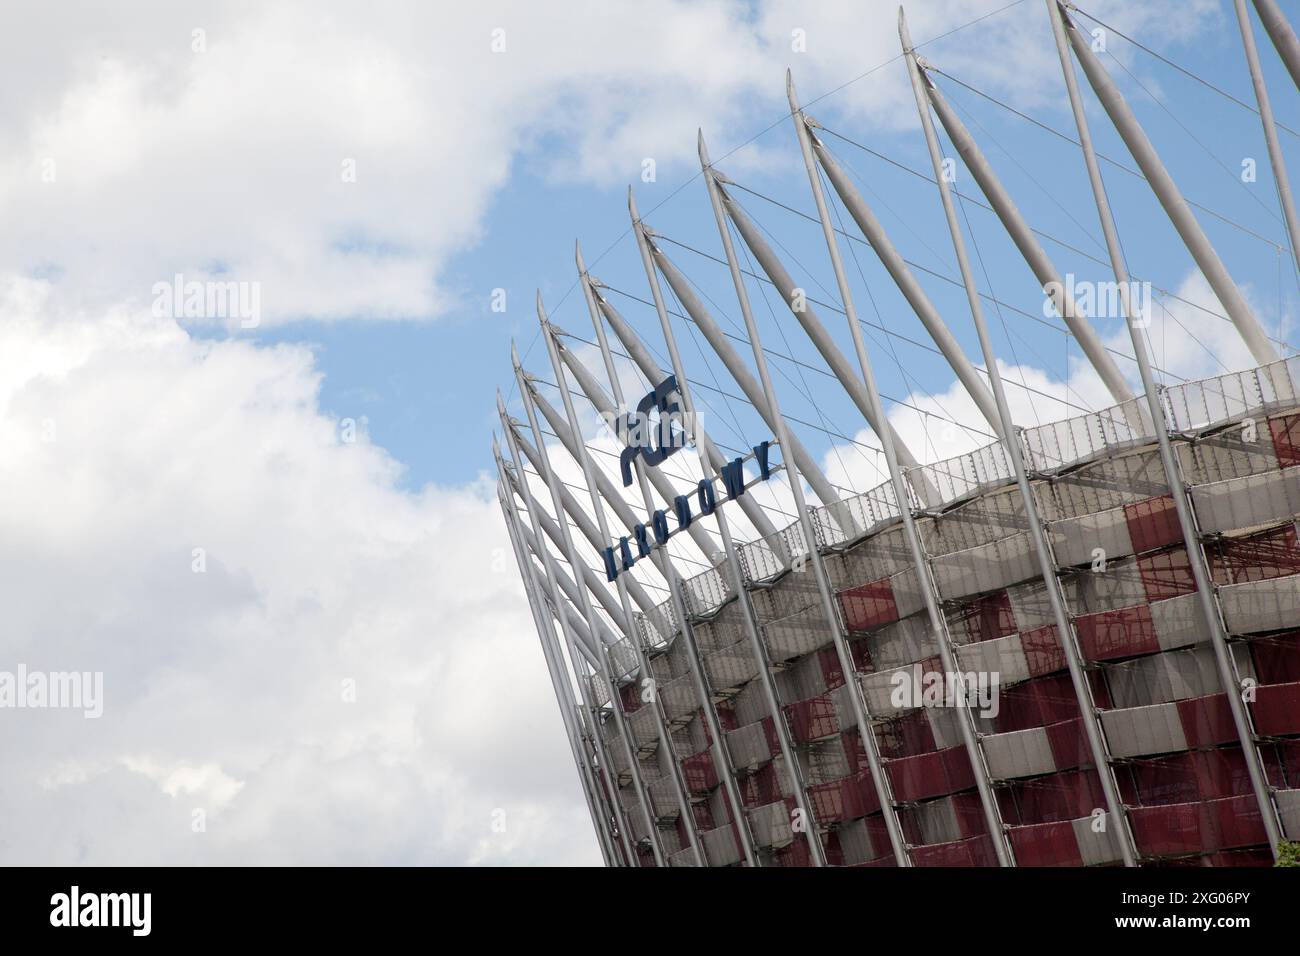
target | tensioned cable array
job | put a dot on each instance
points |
(765, 130)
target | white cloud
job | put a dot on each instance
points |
(223, 689)
(228, 162)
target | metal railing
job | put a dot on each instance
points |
(1057, 445)
(1193, 406)
(1188, 407)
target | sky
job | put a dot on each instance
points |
(279, 541)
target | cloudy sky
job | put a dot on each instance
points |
(279, 540)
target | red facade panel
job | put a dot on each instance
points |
(969, 811)
(907, 736)
(726, 718)
(829, 661)
(1036, 703)
(1187, 777)
(1277, 658)
(1045, 844)
(760, 788)
(1167, 574)
(1267, 554)
(1285, 431)
(1069, 746)
(630, 696)
(812, 719)
(1110, 635)
(1197, 827)
(1282, 763)
(868, 606)
(930, 775)
(1042, 649)
(860, 649)
(1054, 798)
(983, 619)
(845, 799)
(1277, 709)
(977, 851)
(1206, 720)
(1152, 523)
(827, 801)
(698, 769)
(795, 854)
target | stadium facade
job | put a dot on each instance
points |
(1078, 645)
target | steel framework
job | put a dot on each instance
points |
(808, 692)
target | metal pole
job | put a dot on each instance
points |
(593, 581)
(661, 483)
(1171, 200)
(1191, 539)
(898, 270)
(565, 716)
(1010, 438)
(541, 620)
(580, 517)
(722, 764)
(938, 626)
(578, 627)
(717, 340)
(1283, 37)
(591, 387)
(860, 714)
(603, 795)
(584, 717)
(752, 509)
(830, 352)
(733, 563)
(650, 368)
(1030, 249)
(570, 587)
(666, 752)
(721, 759)
(603, 667)
(1275, 156)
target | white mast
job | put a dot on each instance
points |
(759, 648)
(558, 683)
(1275, 156)
(1023, 236)
(924, 573)
(1205, 591)
(1171, 200)
(552, 481)
(861, 717)
(1283, 37)
(721, 755)
(665, 750)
